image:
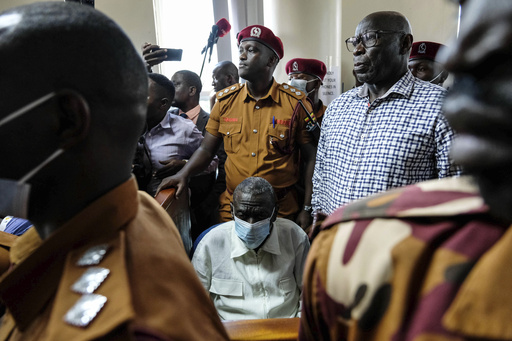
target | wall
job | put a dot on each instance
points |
(134, 16)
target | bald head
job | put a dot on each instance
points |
(383, 59)
(224, 74)
(388, 21)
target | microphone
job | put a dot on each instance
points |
(220, 29)
(223, 26)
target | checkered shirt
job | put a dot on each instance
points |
(399, 139)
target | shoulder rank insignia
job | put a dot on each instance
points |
(228, 91)
(291, 90)
(93, 256)
(90, 304)
(85, 310)
(90, 280)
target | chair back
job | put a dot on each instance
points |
(179, 211)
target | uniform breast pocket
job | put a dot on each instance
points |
(278, 140)
(231, 132)
(227, 293)
(287, 286)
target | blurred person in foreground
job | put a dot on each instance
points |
(103, 261)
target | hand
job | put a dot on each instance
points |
(170, 167)
(304, 220)
(178, 181)
(153, 54)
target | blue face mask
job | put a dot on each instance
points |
(252, 234)
(15, 193)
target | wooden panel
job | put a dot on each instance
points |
(265, 329)
(178, 210)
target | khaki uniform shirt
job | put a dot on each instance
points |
(261, 137)
(150, 290)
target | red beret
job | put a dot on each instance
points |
(263, 35)
(424, 50)
(313, 67)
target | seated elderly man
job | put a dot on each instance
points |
(252, 266)
(431, 261)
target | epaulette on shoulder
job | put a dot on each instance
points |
(225, 93)
(290, 90)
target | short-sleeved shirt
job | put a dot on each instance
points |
(399, 139)
(261, 137)
(244, 284)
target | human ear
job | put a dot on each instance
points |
(272, 61)
(73, 117)
(164, 102)
(406, 44)
(192, 90)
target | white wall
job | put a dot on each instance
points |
(134, 16)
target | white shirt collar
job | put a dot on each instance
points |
(238, 248)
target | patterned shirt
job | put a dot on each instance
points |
(423, 262)
(399, 139)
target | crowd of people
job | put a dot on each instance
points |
(382, 215)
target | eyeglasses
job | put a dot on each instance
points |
(368, 39)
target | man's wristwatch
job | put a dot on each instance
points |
(308, 208)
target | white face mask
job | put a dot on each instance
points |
(301, 84)
(15, 194)
(252, 234)
(436, 77)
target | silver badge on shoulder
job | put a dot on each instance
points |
(85, 310)
(90, 280)
(93, 256)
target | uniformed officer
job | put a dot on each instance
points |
(103, 261)
(423, 65)
(263, 127)
(308, 75)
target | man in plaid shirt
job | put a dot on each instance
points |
(387, 133)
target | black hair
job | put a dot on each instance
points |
(164, 82)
